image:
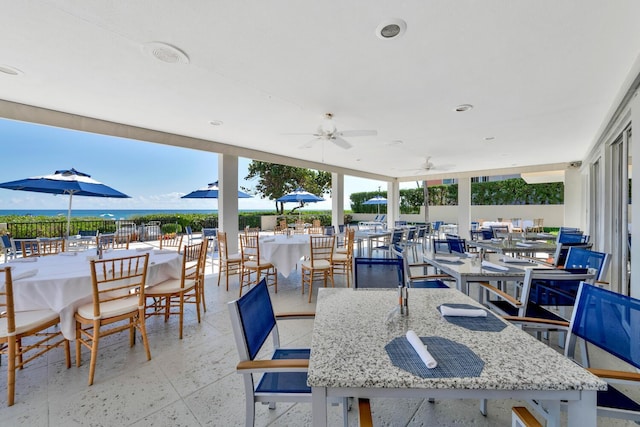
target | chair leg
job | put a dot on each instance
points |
(78, 344)
(11, 370)
(202, 300)
(220, 271)
(182, 312)
(94, 350)
(143, 333)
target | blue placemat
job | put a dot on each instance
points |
(483, 324)
(497, 270)
(454, 359)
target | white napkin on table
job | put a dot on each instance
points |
(421, 349)
(68, 253)
(496, 266)
(163, 252)
(524, 245)
(462, 312)
(25, 274)
(144, 249)
(272, 239)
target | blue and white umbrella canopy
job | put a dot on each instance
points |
(377, 200)
(300, 196)
(69, 182)
(211, 192)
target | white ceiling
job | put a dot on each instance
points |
(543, 76)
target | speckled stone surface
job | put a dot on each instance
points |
(351, 330)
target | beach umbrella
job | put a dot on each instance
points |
(69, 182)
(301, 196)
(211, 192)
(377, 200)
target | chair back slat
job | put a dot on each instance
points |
(256, 317)
(607, 320)
(321, 248)
(118, 278)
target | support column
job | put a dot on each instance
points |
(464, 207)
(393, 203)
(337, 200)
(574, 203)
(228, 199)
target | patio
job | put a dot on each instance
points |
(193, 382)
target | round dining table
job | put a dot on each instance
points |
(284, 251)
(62, 282)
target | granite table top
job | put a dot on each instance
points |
(352, 327)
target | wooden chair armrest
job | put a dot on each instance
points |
(295, 315)
(282, 365)
(364, 413)
(601, 282)
(615, 375)
(518, 319)
(500, 293)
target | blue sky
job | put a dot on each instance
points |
(154, 175)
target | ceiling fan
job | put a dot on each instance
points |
(428, 166)
(327, 131)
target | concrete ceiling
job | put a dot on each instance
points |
(543, 76)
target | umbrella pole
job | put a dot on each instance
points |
(69, 215)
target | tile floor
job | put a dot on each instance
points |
(192, 382)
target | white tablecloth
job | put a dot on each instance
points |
(489, 224)
(284, 252)
(63, 282)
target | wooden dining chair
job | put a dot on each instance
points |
(169, 297)
(230, 264)
(118, 290)
(25, 335)
(171, 241)
(111, 241)
(254, 264)
(342, 260)
(320, 262)
(30, 247)
(50, 246)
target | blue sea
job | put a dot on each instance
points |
(114, 214)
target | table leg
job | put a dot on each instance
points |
(583, 412)
(319, 406)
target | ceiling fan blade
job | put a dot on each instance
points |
(309, 144)
(341, 142)
(352, 133)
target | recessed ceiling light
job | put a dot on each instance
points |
(489, 138)
(216, 122)
(395, 142)
(12, 71)
(166, 53)
(463, 107)
(393, 28)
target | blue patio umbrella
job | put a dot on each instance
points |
(300, 196)
(69, 182)
(211, 192)
(377, 200)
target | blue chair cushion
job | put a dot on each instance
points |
(286, 382)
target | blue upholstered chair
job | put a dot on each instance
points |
(8, 247)
(579, 257)
(608, 321)
(284, 374)
(416, 274)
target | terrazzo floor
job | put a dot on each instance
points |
(192, 382)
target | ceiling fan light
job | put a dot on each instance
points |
(391, 29)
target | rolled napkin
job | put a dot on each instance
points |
(447, 258)
(68, 253)
(421, 349)
(28, 259)
(494, 240)
(496, 266)
(462, 312)
(524, 245)
(25, 274)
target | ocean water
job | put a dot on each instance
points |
(114, 214)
